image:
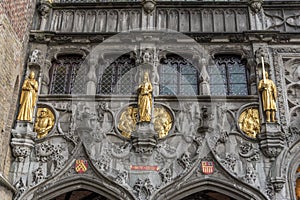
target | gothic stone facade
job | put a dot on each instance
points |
(76, 50)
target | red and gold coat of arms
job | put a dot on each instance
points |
(207, 167)
(81, 166)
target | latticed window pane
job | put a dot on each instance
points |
(59, 79)
(178, 77)
(118, 77)
(78, 78)
(229, 77)
(68, 75)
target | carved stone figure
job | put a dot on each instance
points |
(28, 98)
(249, 122)
(44, 122)
(269, 96)
(145, 99)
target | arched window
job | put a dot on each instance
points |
(118, 77)
(177, 76)
(67, 75)
(228, 76)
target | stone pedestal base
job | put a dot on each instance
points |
(271, 140)
(23, 140)
(144, 139)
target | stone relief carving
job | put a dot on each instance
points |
(51, 154)
(276, 21)
(20, 187)
(249, 152)
(250, 176)
(166, 175)
(143, 188)
(122, 177)
(38, 176)
(249, 122)
(229, 162)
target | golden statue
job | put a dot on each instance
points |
(44, 122)
(145, 99)
(269, 96)
(249, 122)
(28, 98)
(162, 122)
(127, 122)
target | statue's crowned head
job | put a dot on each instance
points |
(146, 77)
(32, 75)
(266, 75)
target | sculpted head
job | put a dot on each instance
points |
(31, 75)
(146, 77)
(267, 75)
(44, 112)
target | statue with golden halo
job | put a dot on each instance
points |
(145, 99)
(269, 96)
(44, 122)
(28, 98)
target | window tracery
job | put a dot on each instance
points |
(118, 77)
(178, 77)
(67, 75)
(228, 76)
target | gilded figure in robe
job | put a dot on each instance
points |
(145, 99)
(269, 96)
(28, 98)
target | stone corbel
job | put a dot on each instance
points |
(148, 6)
(23, 140)
(255, 5)
(271, 140)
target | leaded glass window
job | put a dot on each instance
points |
(177, 77)
(228, 76)
(118, 77)
(68, 75)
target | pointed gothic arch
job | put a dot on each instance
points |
(293, 169)
(102, 188)
(238, 191)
